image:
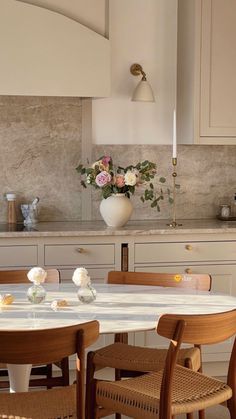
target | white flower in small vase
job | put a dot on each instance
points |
(86, 293)
(36, 294)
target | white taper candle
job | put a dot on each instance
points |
(174, 136)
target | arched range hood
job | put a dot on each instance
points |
(44, 53)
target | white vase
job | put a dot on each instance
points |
(116, 210)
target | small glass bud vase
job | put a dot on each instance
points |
(36, 294)
(87, 294)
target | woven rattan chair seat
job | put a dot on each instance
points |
(58, 403)
(135, 358)
(139, 397)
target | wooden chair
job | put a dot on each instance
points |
(47, 346)
(20, 277)
(176, 389)
(130, 360)
(200, 282)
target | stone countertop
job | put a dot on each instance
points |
(132, 228)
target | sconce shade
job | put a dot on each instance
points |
(143, 92)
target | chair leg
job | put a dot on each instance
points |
(49, 374)
(117, 377)
(122, 338)
(90, 393)
(201, 414)
(189, 416)
(65, 371)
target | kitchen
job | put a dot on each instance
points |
(44, 137)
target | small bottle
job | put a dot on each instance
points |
(11, 210)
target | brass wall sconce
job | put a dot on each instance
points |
(143, 91)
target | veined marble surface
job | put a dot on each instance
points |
(118, 308)
(132, 228)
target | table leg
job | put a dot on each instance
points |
(19, 376)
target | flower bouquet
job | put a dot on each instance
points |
(112, 179)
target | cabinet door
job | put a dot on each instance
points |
(217, 99)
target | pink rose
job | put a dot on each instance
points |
(120, 181)
(103, 179)
(106, 160)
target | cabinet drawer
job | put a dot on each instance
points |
(80, 254)
(184, 252)
(14, 256)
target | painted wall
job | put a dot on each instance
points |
(143, 32)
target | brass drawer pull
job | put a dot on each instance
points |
(188, 247)
(79, 250)
(188, 271)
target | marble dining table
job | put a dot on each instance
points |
(118, 308)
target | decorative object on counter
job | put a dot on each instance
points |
(112, 180)
(86, 293)
(11, 208)
(56, 304)
(143, 91)
(174, 223)
(225, 211)
(37, 293)
(116, 210)
(6, 299)
(30, 213)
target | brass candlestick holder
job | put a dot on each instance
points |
(174, 223)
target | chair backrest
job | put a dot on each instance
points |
(193, 281)
(194, 329)
(19, 276)
(47, 346)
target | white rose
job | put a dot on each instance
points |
(37, 275)
(88, 179)
(130, 178)
(80, 277)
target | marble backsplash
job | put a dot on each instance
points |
(41, 144)
(205, 173)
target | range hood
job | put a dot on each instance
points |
(44, 53)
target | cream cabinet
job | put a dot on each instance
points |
(206, 71)
(216, 34)
(97, 256)
(18, 256)
(185, 255)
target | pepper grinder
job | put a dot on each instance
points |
(11, 210)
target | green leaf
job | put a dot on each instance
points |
(83, 184)
(162, 180)
(171, 201)
(154, 204)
